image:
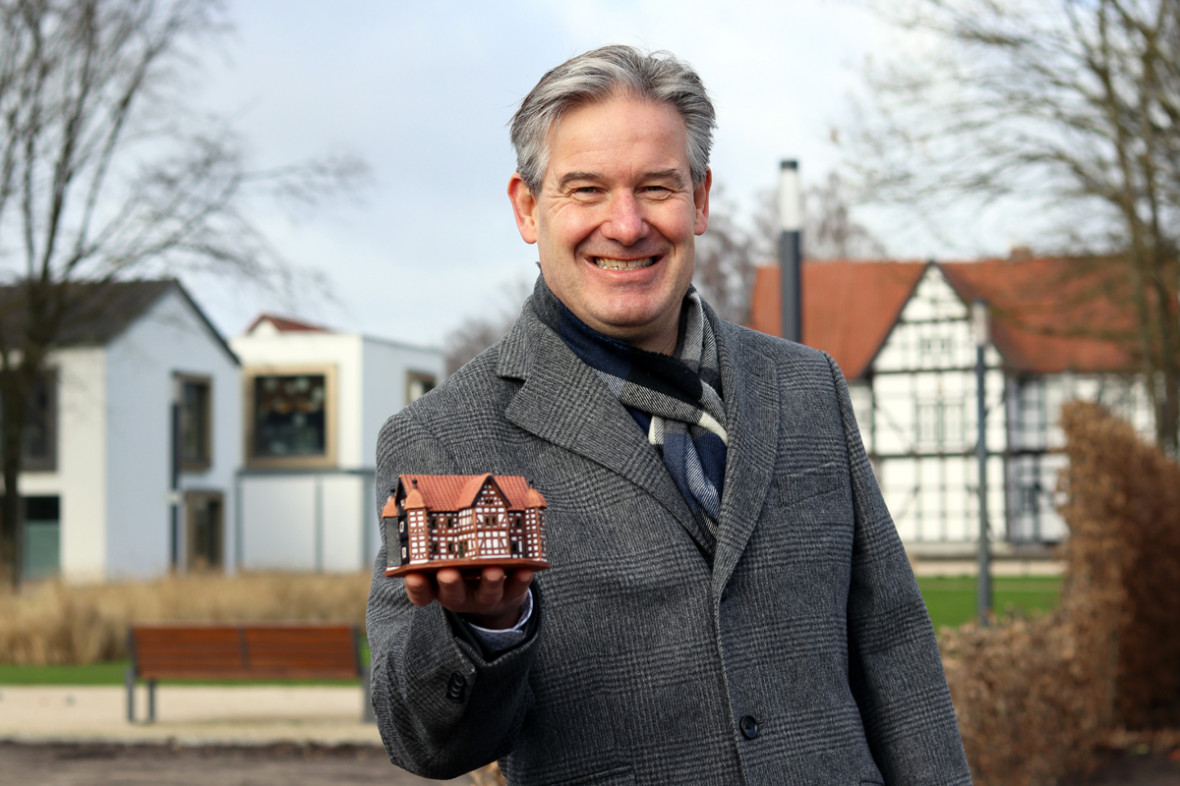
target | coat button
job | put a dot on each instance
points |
(456, 686)
(749, 727)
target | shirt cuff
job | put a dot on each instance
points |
(497, 641)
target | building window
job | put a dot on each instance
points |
(418, 384)
(291, 418)
(206, 530)
(196, 422)
(39, 447)
(934, 348)
(940, 424)
(42, 555)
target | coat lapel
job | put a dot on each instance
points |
(752, 418)
(563, 401)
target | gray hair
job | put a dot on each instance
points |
(597, 75)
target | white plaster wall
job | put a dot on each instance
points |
(278, 528)
(80, 479)
(387, 366)
(279, 525)
(309, 521)
(169, 338)
(935, 499)
(343, 508)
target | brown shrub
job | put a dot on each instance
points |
(1034, 698)
(1125, 496)
(62, 623)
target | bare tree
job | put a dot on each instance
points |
(726, 256)
(830, 231)
(103, 175)
(477, 333)
(1068, 108)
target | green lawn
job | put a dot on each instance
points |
(89, 674)
(952, 601)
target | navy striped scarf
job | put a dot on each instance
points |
(675, 400)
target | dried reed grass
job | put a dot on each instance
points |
(58, 623)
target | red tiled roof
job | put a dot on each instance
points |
(455, 492)
(285, 324)
(849, 307)
(1047, 314)
(1052, 314)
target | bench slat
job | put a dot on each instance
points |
(248, 651)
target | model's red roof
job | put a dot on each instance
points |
(849, 307)
(455, 492)
(1047, 314)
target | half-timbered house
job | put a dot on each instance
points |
(902, 335)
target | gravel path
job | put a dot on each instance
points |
(112, 764)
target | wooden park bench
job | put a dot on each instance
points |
(242, 652)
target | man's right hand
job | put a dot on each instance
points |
(490, 600)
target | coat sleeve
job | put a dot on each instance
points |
(443, 707)
(895, 668)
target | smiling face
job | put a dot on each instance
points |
(615, 217)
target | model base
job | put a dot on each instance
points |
(468, 566)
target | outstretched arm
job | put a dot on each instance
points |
(444, 705)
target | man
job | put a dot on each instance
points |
(729, 601)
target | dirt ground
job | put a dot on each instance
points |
(108, 764)
(1129, 769)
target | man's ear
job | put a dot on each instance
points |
(700, 198)
(524, 207)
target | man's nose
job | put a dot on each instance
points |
(625, 223)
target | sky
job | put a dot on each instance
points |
(423, 92)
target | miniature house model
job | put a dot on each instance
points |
(463, 521)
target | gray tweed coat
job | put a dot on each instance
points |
(795, 650)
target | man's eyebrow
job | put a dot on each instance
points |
(661, 174)
(667, 174)
(570, 177)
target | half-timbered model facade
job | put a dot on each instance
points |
(902, 334)
(464, 521)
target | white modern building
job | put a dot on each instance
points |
(314, 401)
(902, 334)
(134, 439)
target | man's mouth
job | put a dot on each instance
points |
(606, 263)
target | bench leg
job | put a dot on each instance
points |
(129, 679)
(151, 701)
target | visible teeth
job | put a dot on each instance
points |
(624, 264)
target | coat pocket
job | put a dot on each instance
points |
(796, 487)
(620, 776)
